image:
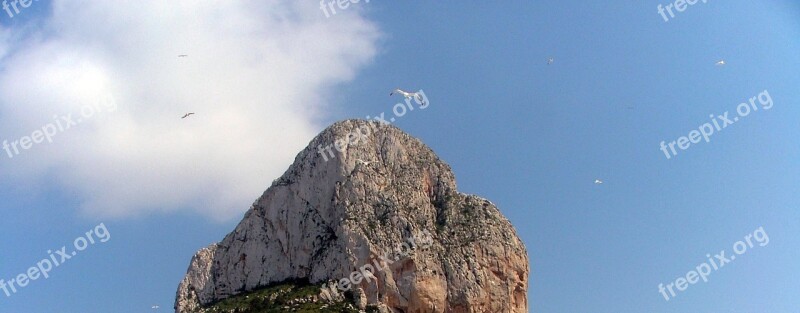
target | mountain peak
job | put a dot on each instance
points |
(370, 216)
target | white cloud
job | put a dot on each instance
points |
(256, 75)
(5, 37)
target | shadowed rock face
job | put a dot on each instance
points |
(330, 214)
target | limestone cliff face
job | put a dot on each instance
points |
(335, 210)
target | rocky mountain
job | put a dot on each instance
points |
(367, 219)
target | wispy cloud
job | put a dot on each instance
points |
(255, 75)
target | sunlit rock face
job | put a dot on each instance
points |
(352, 198)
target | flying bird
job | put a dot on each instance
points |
(720, 62)
(155, 307)
(550, 61)
(359, 161)
(187, 115)
(183, 55)
(598, 182)
(408, 95)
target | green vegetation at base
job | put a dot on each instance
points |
(294, 296)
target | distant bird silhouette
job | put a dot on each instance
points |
(598, 182)
(408, 95)
(550, 61)
(183, 55)
(720, 62)
(187, 115)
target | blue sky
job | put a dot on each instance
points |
(529, 136)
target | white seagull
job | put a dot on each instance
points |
(550, 61)
(359, 161)
(598, 182)
(720, 62)
(408, 95)
(155, 307)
